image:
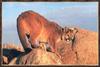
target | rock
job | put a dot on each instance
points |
(87, 47)
(13, 61)
(68, 56)
(38, 56)
(5, 60)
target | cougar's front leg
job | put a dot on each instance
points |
(24, 40)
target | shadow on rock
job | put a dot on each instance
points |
(9, 54)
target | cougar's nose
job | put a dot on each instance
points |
(34, 45)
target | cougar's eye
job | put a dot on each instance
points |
(28, 35)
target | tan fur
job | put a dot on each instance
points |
(37, 29)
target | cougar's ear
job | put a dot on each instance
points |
(65, 29)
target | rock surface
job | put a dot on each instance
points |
(87, 47)
(39, 56)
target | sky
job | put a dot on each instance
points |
(79, 14)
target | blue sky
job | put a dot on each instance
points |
(80, 14)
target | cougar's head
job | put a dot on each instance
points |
(68, 33)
